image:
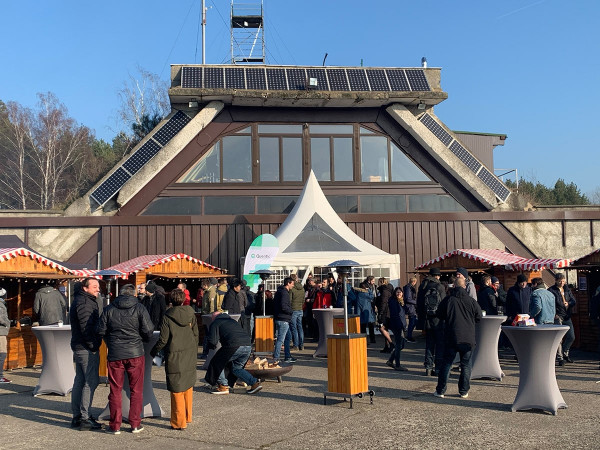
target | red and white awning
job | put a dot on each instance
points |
(10, 253)
(581, 259)
(539, 264)
(145, 262)
(492, 257)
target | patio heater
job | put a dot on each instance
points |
(343, 267)
(108, 275)
(263, 325)
(264, 275)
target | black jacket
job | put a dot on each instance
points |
(156, 307)
(517, 300)
(486, 297)
(228, 332)
(84, 316)
(460, 312)
(386, 291)
(125, 325)
(283, 305)
(563, 312)
(232, 303)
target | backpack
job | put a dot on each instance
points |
(432, 300)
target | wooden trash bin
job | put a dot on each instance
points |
(353, 324)
(347, 372)
(263, 335)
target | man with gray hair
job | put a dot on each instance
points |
(125, 325)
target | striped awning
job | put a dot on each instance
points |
(539, 264)
(492, 257)
(10, 253)
(145, 262)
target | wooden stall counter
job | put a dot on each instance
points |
(23, 349)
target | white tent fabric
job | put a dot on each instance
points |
(313, 235)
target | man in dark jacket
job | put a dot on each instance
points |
(235, 299)
(518, 298)
(565, 301)
(49, 306)
(125, 325)
(410, 301)
(85, 344)
(297, 301)
(434, 327)
(227, 365)
(486, 297)
(459, 312)
(283, 317)
(155, 304)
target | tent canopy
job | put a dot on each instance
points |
(169, 266)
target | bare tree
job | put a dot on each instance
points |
(595, 196)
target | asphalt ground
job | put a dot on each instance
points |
(291, 414)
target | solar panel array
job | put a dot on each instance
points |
(295, 78)
(137, 160)
(488, 178)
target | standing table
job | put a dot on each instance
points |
(485, 357)
(207, 320)
(324, 318)
(536, 351)
(150, 406)
(58, 371)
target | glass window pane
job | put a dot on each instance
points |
(342, 159)
(269, 159)
(245, 130)
(237, 159)
(433, 202)
(280, 129)
(343, 203)
(403, 169)
(228, 205)
(292, 159)
(174, 206)
(331, 129)
(276, 204)
(364, 130)
(207, 170)
(374, 159)
(382, 203)
(320, 158)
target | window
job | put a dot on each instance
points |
(276, 204)
(343, 203)
(374, 159)
(228, 205)
(432, 203)
(342, 159)
(382, 203)
(237, 159)
(320, 158)
(292, 159)
(269, 159)
(207, 170)
(174, 206)
(403, 169)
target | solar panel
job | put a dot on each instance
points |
(417, 80)
(337, 80)
(397, 79)
(255, 78)
(171, 128)
(276, 79)
(143, 154)
(296, 79)
(358, 80)
(501, 191)
(191, 77)
(319, 74)
(436, 129)
(213, 77)
(234, 78)
(111, 186)
(466, 157)
(378, 80)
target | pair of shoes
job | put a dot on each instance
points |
(411, 340)
(89, 424)
(111, 431)
(95, 424)
(255, 388)
(240, 383)
(438, 395)
(389, 363)
(137, 429)
(465, 395)
(401, 368)
(220, 389)
(561, 362)
(294, 348)
(290, 360)
(568, 359)
(76, 422)
(5, 380)
(301, 348)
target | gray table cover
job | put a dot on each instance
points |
(324, 318)
(485, 356)
(150, 406)
(58, 371)
(536, 350)
(207, 320)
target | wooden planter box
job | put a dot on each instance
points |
(263, 335)
(347, 371)
(353, 324)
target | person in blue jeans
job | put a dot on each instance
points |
(460, 312)
(297, 301)
(283, 317)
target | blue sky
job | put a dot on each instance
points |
(528, 69)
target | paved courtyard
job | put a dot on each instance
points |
(404, 414)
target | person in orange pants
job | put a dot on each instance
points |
(179, 339)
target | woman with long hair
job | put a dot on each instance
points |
(385, 292)
(397, 324)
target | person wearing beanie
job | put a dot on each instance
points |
(155, 304)
(461, 272)
(430, 291)
(518, 298)
(4, 327)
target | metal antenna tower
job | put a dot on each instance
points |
(247, 32)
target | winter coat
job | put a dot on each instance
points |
(423, 288)
(470, 288)
(221, 292)
(363, 305)
(125, 325)
(209, 300)
(517, 300)
(410, 299)
(397, 315)
(228, 332)
(84, 316)
(460, 312)
(542, 307)
(156, 306)
(563, 312)
(249, 301)
(283, 305)
(179, 338)
(487, 300)
(323, 299)
(49, 306)
(297, 296)
(386, 292)
(4, 321)
(232, 303)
